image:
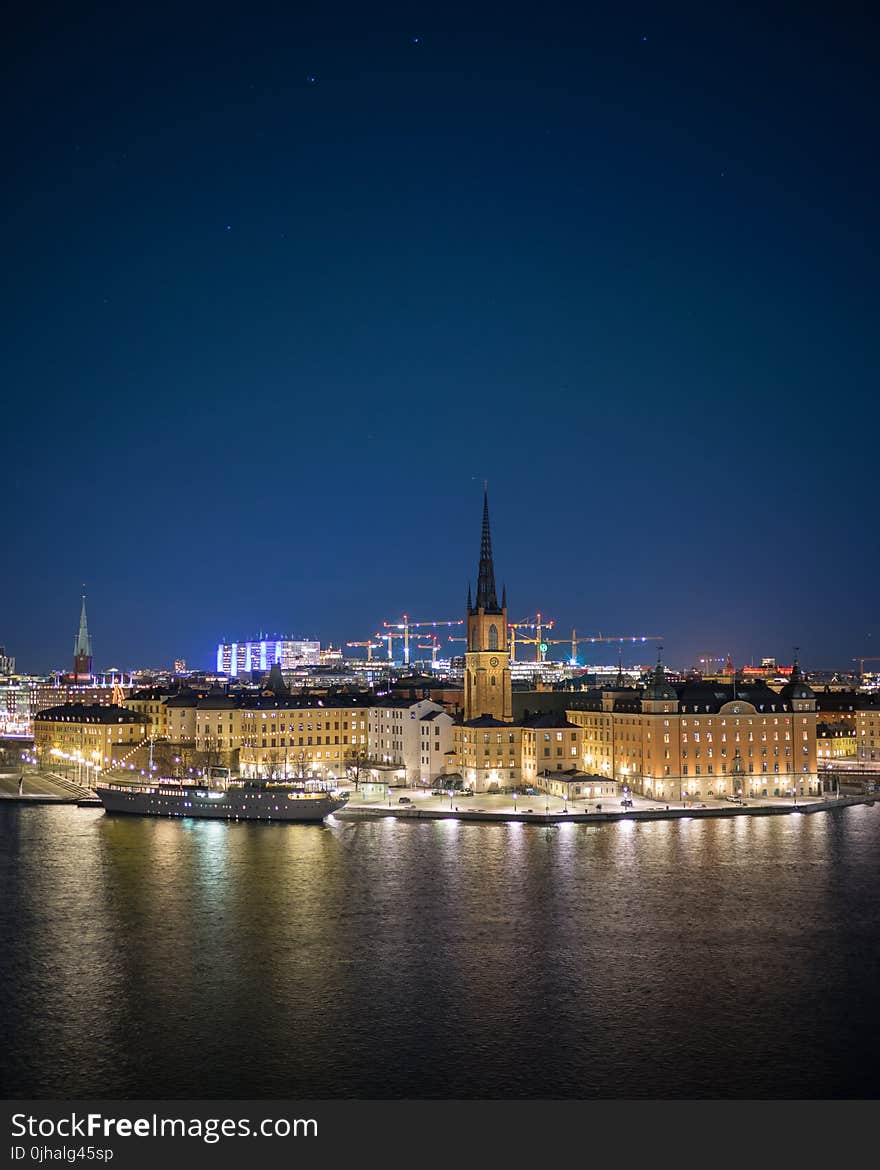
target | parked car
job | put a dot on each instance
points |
(404, 800)
(626, 802)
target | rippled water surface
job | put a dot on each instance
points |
(152, 958)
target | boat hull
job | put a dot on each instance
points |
(235, 804)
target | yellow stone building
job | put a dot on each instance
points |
(93, 736)
(274, 734)
(703, 740)
(835, 741)
(292, 736)
(868, 730)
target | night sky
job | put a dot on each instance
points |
(285, 283)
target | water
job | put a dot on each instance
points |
(722, 958)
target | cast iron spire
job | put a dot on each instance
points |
(83, 644)
(486, 598)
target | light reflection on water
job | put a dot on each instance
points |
(379, 958)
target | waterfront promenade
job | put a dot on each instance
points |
(44, 788)
(541, 809)
(39, 788)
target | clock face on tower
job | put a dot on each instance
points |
(493, 661)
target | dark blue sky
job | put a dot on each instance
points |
(285, 283)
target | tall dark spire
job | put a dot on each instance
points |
(83, 643)
(82, 647)
(486, 598)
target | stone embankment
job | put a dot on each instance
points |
(410, 813)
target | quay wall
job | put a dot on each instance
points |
(371, 812)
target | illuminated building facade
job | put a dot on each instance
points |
(22, 697)
(235, 658)
(413, 734)
(15, 706)
(868, 730)
(275, 736)
(835, 741)
(703, 740)
(92, 736)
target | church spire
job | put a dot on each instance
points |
(83, 643)
(82, 647)
(486, 598)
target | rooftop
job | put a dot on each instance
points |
(87, 713)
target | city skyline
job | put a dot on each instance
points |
(631, 651)
(275, 322)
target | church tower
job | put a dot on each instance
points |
(82, 649)
(487, 688)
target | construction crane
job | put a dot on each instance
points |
(621, 638)
(539, 624)
(862, 661)
(544, 644)
(369, 646)
(433, 646)
(406, 626)
(389, 638)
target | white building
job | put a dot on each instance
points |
(234, 658)
(413, 735)
(16, 706)
(435, 743)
